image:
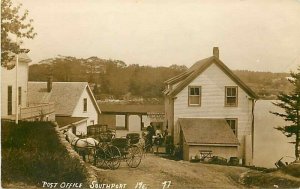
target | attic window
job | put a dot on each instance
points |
(231, 94)
(85, 104)
(194, 96)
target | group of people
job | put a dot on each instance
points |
(156, 135)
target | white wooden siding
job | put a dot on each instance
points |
(91, 112)
(8, 78)
(213, 81)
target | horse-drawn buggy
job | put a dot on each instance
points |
(108, 150)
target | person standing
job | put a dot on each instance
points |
(151, 132)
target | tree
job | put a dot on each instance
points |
(15, 23)
(291, 105)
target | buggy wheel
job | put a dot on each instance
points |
(148, 149)
(113, 157)
(134, 156)
(91, 151)
(99, 157)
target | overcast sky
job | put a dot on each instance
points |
(251, 34)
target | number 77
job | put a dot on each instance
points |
(166, 184)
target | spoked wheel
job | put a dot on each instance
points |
(113, 157)
(99, 157)
(134, 156)
(91, 151)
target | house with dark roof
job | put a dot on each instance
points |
(14, 93)
(75, 105)
(209, 108)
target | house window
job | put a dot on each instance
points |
(85, 104)
(195, 96)
(231, 96)
(121, 122)
(20, 95)
(9, 100)
(233, 125)
(92, 122)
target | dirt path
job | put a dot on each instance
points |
(153, 171)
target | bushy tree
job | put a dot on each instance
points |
(291, 105)
(13, 23)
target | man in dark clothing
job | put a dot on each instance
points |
(150, 134)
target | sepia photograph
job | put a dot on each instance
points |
(148, 94)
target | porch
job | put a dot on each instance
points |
(42, 112)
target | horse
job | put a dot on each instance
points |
(82, 146)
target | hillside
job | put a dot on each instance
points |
(31, 153)
(114, 79)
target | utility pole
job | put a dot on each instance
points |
(17, 88)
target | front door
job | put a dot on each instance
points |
(9, 100)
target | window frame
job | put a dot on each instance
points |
(235, 131)
(236, 96)
(85, 105)
(9, 99)
(200, 95)
(19, 95)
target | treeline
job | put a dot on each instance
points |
(108, 78)
(265, 84)
(114, 79)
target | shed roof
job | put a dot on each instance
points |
(65, 95)
(64, 121)
(207, 131)
(195, 70)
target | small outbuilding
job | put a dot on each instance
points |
(213, 135)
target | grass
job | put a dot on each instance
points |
(32, 153)
(265, 180)
(293, 170)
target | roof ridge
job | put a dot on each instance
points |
(196, 70)
(188, 71)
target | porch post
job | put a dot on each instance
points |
(126, 121)
(141, 116)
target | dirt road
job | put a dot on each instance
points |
(154, 171)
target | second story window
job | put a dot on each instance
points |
(194, 96)
(231, 94)
(85, 104)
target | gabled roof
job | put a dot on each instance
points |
(65, 95)
(182, 80)
(207, 131)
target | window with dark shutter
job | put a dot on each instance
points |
(20, 95)
(9, 100)
(84, 104)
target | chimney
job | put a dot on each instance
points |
(216, 52)
(49, 84)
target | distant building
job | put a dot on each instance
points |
(9, 97)
(131, 117)
(75, 105)
(209, 108)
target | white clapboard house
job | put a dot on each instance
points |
(75, 105)
(208, 108)
(14, 94)
(70, 104)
